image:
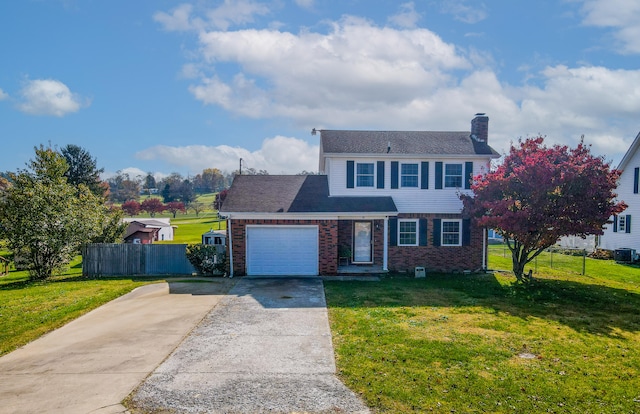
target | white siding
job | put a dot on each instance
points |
(611, 240)
(407, 200)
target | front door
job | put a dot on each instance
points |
(362, 242)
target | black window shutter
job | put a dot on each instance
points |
(627, 224)
(636, 178)
(350, 174)
(466, 232)
(468, 173)
(438, 176)
(436, 231)
(422, 232)
(424, 175)
(393, 231)
(615, 224)
(380, 174)
(394, 174)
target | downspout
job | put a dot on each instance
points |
(385, 249)
(484, 249)
(230, 246)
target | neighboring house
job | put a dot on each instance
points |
(624, 232)
(147, 231)
(389, 199)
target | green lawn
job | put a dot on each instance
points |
(453, 343)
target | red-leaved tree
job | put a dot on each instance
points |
(174, 207)
(152, 206)
(131, 207)
(540, 194)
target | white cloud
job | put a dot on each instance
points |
(359, 75)
(464, 13)
(48, 97)
(3, 95)
(230, 12)
(278, 155)
(407, 17)
(620, 15)
(305, 4)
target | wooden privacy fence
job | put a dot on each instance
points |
(135, 259)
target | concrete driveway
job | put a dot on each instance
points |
(91, 364)
(266, 348)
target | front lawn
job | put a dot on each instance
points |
(454, 343)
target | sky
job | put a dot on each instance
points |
(166, 86)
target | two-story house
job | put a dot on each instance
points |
(387, 200)
(621, 233)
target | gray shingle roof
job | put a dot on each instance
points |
(403, 142)
(295, 194)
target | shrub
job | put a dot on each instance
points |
(206, 259)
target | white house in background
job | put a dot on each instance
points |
(624, 232)
(160, 227)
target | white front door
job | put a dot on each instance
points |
(362, 242)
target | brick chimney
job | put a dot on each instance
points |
(480, 128)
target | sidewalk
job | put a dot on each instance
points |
(91, 364)
(265, 348)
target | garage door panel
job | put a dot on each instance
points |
(282, 250)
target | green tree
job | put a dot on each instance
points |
(122, 188)
(83, 169)
(46, 219)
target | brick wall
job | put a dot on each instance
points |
(327, 243)
(437, 258)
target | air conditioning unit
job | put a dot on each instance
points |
(624, 255)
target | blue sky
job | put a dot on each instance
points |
(169, 86)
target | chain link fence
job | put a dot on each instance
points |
(566, 259)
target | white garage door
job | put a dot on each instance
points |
(282, 250)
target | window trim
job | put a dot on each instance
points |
(416, 175)
(442, 232)
(445, 175)
(358, 175)
(416, 233)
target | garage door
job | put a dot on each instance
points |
(282, 250)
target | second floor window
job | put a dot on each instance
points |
(409, 175)
(364, 175)
(453, 175)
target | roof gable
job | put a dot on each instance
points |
(630, 152)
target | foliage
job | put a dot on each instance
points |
(174, 206)
(209, 181)
(152, 206)
(540, 194)
(220, 197)
(206, 259)
(113, 227)
(149, 183)
(122, 188)
(131, 207)
(83, 169)
(47, 219)
(197, 207)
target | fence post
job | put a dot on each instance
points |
(551, 255)
(584, 261)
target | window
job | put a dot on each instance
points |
(407, 232)
(409, 175)
(453, 175)
(622, 224)
(451, 232)
(364, 175)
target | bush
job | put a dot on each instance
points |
(602, 254)
(206, 259)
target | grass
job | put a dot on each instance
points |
(30, 309)
(480, 343)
